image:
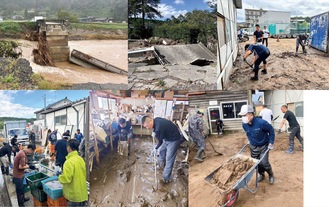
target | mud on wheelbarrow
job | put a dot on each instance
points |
(231, 195)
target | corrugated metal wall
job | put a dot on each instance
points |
(201, 101)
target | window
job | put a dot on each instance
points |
(228, 30)
(299, 109)
(60, 120)
(231, 109)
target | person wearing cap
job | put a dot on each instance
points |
(294, 128)
(266, 114)
(78, 136)
(196, 132)
(125, 134)
(261, 137)
(67, 134)
(169, 140)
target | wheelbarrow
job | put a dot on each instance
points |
(231, 195)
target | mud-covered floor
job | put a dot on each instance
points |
(285, 69)
(122, 181)
(288, 171)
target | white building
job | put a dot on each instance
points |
(63, 115)
(292, 98)
(227, 38)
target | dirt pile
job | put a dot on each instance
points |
(232, 171)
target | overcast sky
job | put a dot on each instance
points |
(177, 7)
(296, 7)
(23, 104)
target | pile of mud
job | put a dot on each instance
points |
(232, 171)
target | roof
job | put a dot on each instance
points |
(50, 106)
(184, 54)
(64, 106)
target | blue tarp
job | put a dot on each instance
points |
(319, 31)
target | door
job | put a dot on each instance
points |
(272, 28)
(213, 114)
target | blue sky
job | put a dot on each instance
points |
(24, 103)
(177, 7)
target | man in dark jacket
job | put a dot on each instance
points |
(125, 132)
(5, 150)
(61, 151)
(261, 137)
(169, 139)
(32, 137)
(261, 53)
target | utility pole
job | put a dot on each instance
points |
(44, 109)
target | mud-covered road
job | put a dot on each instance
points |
(120, 181)
(288, 171)
(285, 70)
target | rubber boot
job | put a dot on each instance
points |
(7, 170)
(3, 170)
(271, 175)
(261, 177)
(198, 155)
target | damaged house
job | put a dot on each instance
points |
(181, 67)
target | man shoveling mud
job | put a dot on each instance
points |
(261, 137)
(196, 131)
(261, 53)
(294, 128)
(301, 40)
(169, 140)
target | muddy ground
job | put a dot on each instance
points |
(120, 181)
(285, 70)
(69, 75)
(288, 171)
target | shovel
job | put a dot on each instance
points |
(155, 165)
(218, 153)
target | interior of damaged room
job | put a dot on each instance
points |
(227, 172)
(124, 164)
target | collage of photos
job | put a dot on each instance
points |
(161, 103)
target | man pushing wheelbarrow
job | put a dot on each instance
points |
(261, 137)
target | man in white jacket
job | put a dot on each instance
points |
(266, 114)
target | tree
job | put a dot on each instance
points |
(66, 15)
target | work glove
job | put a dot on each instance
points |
(270, 146)
(153, 134)
(279, 131)
(11, 165)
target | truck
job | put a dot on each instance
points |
(11, 128)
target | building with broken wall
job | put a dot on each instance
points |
(227, 43)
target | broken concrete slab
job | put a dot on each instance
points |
(184, 54)
(170, 82)
(96, 62)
